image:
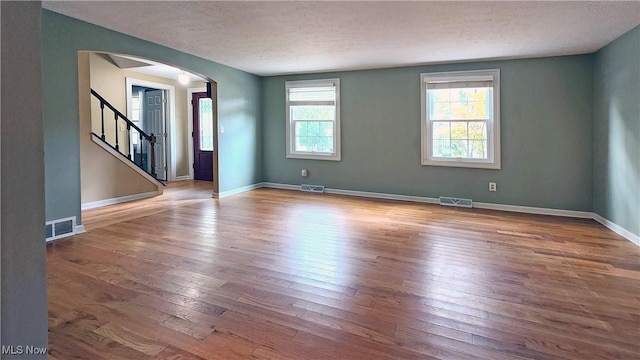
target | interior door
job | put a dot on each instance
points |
(202, 136)
(154, 123)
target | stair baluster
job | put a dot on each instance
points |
(148, 166)
(102, 113)
(153, 155)
(115, 115)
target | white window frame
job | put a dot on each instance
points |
(493, 125)
(291, 153)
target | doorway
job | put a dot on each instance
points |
(203, 146)
(150, 106)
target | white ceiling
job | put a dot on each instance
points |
(270, 38)
(150, 67)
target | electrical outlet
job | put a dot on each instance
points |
(305, 173)
(493, 186)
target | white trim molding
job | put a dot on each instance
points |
(79, 229)
(118, 200)
(279, 186)
(375, 195)
(237, 190)
(183, 178)
(534, 210)
(617, 229)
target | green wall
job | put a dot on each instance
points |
(546, 134)
(570, 127)
(617, 131)
(62, 38)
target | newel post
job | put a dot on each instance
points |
(152, 140)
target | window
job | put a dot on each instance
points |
(313, 119)
(461, 119)
(205, 118)
(135, 118)
(135, 108)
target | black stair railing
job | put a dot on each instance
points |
(146, 160)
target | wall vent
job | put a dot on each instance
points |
(312, 188)
(49, 230)
(56, 229)
(449, 201)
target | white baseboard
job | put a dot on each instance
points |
(183, 178)
(237, 190)
(534, 210)
(79, 229)
(279, 186)
(617, 229)
(118, 200)
(376, 195)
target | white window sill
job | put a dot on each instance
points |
(462, 163)
(314, 156)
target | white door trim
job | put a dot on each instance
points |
(171, 118)
(190, 92)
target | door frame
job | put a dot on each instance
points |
(190, 92)
(170, 119)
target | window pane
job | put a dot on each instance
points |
(478, 130)
(135, 115)
(458, 110)
(441, 95)
(459, 130)
(459, 148)
(459, 103)
(135, 103)
(468, 139)
(314, 136)
(478, 149)
(313, 112)
(326, 129)
(301, 128)
(205, 116)
(477, 110)
(440, 111)
(441, 130)
(441, 148)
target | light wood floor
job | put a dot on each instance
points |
(274, 274)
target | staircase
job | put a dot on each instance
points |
(137, 147)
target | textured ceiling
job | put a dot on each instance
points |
(269, 38)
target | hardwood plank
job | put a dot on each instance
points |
(130, 339)
(171, 353)
(275, 274)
